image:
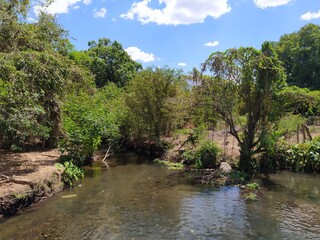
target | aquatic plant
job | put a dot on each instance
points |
(170, 165)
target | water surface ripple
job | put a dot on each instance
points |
(145, 201)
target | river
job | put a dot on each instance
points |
(146, 201)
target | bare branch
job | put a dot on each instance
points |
(106, 156)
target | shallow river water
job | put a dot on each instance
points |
(145, 201)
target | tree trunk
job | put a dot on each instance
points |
(246, 147)
(55, 119)
(245, 158)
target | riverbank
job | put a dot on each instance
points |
(26, 178)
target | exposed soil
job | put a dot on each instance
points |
(224, 140)
(26, 178)
(227, 143)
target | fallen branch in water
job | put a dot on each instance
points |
(105, 157)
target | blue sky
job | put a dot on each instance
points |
(180, 33)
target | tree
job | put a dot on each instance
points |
(299, 101)
(88, 120)
(35, 72)
(241, 91)
(156, 101)
(109, 62)
(300, 54)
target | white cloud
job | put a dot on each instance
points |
(270, 3)
(87, 2)
(56, 7)
(212, 44)
(76, 7)
(182, 64)
(176, 12)
(310, 15)
(100, 13)
(138, 55)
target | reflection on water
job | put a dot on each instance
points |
(148, 202)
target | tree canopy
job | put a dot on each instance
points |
(35, 71)
(300, 54)
(156, 103)
(52, 95)
(240, 91)
(108, 61)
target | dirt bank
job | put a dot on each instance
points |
(26, 178)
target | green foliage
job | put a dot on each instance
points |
(110, 63)
(250, 196)
(157, 102)
(71, 172)
(20, 196)
(245, 82)
(89, 119)
(298, 157)
(238, 177)
(299, 101)
(274, 156)
(32, 81)
(170, 165)
(205, 155)
(44, 35)
(34, 74)
(289, 123)
(304, 156)
(253, 185)
(300, 53)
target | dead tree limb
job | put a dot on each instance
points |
(105, 157)
(7, 179)
(307, 131)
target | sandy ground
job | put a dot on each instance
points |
(228, 144)
(32, 166)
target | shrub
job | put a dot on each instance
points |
(304, 156)
(203, 156)
(288, 124)
(298, 157)
(89, 120)
(70, 173)
(300, 101)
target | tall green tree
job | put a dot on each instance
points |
(109, 62)
(300, 54)
(156, 100)
(242, 86)
(34, 73)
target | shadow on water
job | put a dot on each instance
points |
(139, 200)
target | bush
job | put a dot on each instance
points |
(298, 157)
(288, 124)
(203, 156)
(89, 120)
(300, 101)
(304, 156)
(70, 173)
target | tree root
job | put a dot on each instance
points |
(7, 179)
